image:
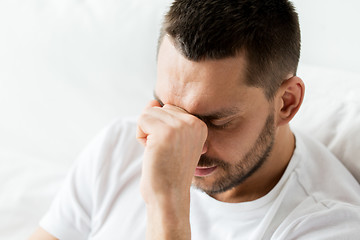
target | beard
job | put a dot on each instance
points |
(235, 174)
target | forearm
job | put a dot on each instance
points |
(167, 220)
(173, 140)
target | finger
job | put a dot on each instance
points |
(152, 114)
(176, 108)
(141, 136)
(153, 103)
(179, 112)
(151, 123)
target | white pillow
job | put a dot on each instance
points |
(331, 112)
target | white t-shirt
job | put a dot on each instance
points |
(316, 198)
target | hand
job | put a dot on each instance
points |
(173, 141)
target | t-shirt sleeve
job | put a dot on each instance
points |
(69, 216)
(341, 221)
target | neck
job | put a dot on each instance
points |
(268, 175)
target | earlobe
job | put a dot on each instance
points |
(291, 94)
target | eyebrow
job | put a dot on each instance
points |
(211, 116)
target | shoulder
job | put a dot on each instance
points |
(110, 163)
(120, 130)
(120, 133)
(112, 148)
(326, 220)
(116, 143)
(321, 175)
(321, 196)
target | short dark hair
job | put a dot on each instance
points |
(266, 31)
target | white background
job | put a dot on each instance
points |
(330, 33)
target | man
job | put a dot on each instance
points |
(218, 159)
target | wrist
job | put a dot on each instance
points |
(168, 219)
(170, 206)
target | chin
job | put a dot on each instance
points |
(205, 184)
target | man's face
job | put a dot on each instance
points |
(240, 120)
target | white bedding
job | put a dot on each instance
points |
(68, 67)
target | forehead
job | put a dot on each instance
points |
(200, 87)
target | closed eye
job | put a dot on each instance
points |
(220, 126)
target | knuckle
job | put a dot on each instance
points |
(148, 115)
(195, 122)
(192, 120)
(199, 126)
(145, 114)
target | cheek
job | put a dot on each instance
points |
(231, 145)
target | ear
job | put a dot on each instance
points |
(289, 97)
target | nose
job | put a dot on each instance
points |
(205, 147)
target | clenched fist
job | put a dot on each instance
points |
(173, 141)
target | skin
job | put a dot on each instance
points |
(204, 110)
(180, 127)
(41, 234)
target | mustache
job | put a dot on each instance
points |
(207, 161)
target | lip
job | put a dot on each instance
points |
(204, 171)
